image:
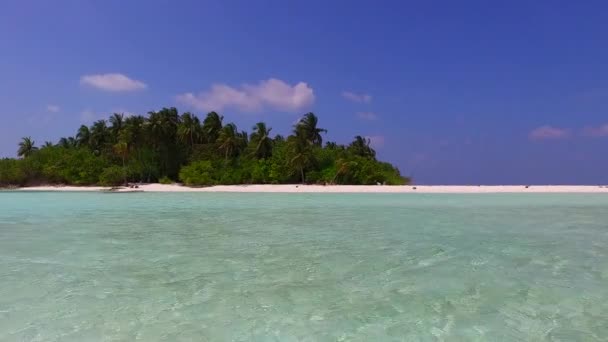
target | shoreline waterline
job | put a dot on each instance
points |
(299, 188)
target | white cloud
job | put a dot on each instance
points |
(376, 141)
(271, 94)
(112, 82)
(52, 108)
(43, 119)
(549, 132)
(367, 116)
(359, 98)
(597, 131)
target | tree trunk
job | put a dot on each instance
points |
(302, 174)
(124, 170)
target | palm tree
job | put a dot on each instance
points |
(122, 149)
(243, 141)
(68, 142)
(155, 126)
(343, 168)
(212, 125)
(302, 156)
(230, 140)
(361, 147)
(47, 144)
(162, 134)
(83, 136)
(189, 129)
(278, 138)
(307, 129)
(99, 135)
(163, 125)
(331, 145)
(26, 147)
(134, 128)
(261, 141)
(116, 124)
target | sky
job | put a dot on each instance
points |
(451, 92)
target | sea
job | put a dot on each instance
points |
(86, 266)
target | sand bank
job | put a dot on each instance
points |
(294, 188)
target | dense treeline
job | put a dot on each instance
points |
(167, 147)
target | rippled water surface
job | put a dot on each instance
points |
(303, 267)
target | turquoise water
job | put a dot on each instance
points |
(303, 267)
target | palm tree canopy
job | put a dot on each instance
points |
(212, 125)
(261, 140)
(26, 147)
(167, 144)
(67, 142)
(116, 123)
(361, 147)
(83, 136)
(302, 156)
(231, 141)
(189, 129)
(163, 124)
(307, 129)
(99, 134)
(133, 128)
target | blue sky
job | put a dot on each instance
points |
(452, 92)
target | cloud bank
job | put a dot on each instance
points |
(52, 108)
(112, 82)
(596, 131)
(549, 132)
(357, 98)
(270, 94)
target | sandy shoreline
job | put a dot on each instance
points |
(294, 188)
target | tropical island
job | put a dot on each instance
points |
(167, 147)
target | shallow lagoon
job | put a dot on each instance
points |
(312, 267)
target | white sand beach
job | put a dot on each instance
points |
(298, 188)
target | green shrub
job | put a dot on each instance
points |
(113, 175)
(199, 173)
(165, 180)
(11, 173)
(260, 171)
(314, 177)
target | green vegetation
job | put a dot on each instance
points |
(167, 147)
(165, 180)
